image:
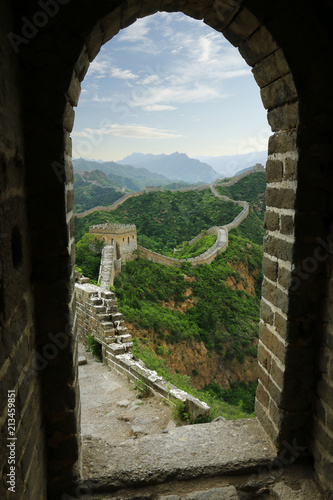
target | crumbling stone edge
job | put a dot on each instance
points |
(97, 315)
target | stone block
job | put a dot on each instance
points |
(117, 316)
(265, 359)
(274, 171)
(273, 343)
(270, 268)
(241, 27)
(277, 374)
(284, 277)
(284, 117)
(280, 198)
(221, 14)
(125, 338)
(271, 68)
(74, 90)
(266, 313)
(276, 296)
(262, 395)
(266, 422)
(282, 142)
(107, 295)
(121, 330)
(109, 340)
(69, 116)
(280, 324)
(116, 348)
(290, 169)
(279, 92)
(272, 220)
(225, 493)
(287, 224)
(279, 248)
(260, 45)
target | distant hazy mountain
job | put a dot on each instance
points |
(229, 165)
(124, 175)
(177, 166)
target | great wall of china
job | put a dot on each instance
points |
(107, 272)
(96, 306)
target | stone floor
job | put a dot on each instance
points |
(134, 451)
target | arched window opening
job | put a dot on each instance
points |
(201, 100)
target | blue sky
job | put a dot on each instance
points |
(168, 83)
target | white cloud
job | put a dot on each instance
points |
(103, 67)
(132, 131)
(159, 107)
(123, 74)
(135, 32)
(150, 79)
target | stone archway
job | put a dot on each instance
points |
(287, 45)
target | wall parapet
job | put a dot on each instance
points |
(207, 257)
(126, 197)
(97, 315)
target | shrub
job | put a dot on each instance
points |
(96, 348)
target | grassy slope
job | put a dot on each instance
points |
(225, 319)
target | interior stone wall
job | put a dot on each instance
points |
(289, 46)
(19, 371)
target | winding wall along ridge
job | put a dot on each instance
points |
(222, 240)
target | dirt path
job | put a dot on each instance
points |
(112, 410)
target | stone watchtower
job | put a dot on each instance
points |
(258, 167)
(120, 242)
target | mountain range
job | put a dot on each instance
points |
(229, 165)
(127, 176)
(177, 166)
(138, 170)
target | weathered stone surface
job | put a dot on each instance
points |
(183, 453)
(308, 491)
(124, 403)
(227, 493)
(82, 360)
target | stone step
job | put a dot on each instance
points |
(99, 308)
(117, 316)
(117, 348)
(110, 340)
(107, 295)
(122, 339)
(121, 330)
(103, 317)
(107, 326)
(96, 301)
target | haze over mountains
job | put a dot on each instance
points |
(177, 166)
(229, 165)
(159, 170)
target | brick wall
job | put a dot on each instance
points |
(18, 369)
(289, 46)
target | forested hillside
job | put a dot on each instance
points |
(166, 219)
(93, 189)
(250, 188)
(198, 326)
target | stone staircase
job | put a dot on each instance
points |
(106, 271)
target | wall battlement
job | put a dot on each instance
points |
(98, 316)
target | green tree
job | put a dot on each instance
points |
(88, 255)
